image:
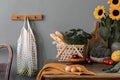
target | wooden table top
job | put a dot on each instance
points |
(97, 68)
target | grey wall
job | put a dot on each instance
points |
(60, 15)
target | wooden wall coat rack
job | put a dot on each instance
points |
(30, 16)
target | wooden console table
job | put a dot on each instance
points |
(97, 68)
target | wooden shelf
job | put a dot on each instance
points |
(30, 16)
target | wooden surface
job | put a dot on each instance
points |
(97, 68)
(30, 16)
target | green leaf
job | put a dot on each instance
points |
(77, 36)
(104, 33)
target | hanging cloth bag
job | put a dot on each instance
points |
(26, 51)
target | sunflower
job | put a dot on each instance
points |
(114, 13)
(99, 12)
(114, 2)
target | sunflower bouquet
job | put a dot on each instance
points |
(109, 20)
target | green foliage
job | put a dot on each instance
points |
(110, 29)
(77, 36)
(105, 27)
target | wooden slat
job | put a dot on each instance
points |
(3, 67)
(30, 16)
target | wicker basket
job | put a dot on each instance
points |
(65, 52)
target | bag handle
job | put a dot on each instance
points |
(26, 22)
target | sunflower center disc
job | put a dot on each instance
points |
(115, 1)
(115, 12)
(100, 12)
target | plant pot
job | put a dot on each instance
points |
(115, 46)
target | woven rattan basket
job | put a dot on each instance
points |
(64, 52)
